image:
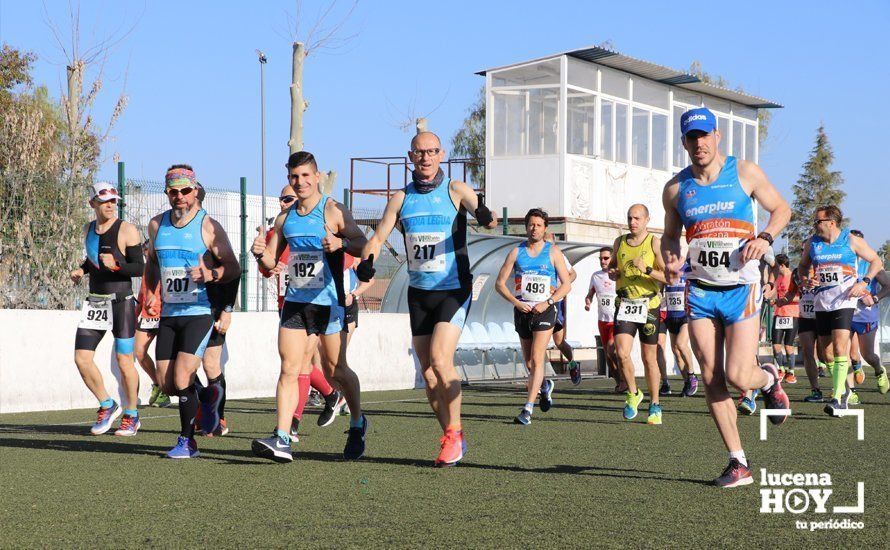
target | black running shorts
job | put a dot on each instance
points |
(648, 330)
(527, 323)
(183, 333)
(427, 308)
(123, 325)
(840, 319)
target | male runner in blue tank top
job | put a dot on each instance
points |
(113, 258)
(317, 230)
(713, 200)
(540, 280)
(182, 242)
(834, 254)
(433, 213)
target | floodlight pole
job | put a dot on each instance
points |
(262, 59)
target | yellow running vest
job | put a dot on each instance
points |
(633, 283)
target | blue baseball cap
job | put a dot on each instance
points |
(701, 119)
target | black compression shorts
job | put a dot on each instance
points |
(183, 333)
(123, 326)
(426, 308)
(527, 323)
(840, 319)
(648, 330)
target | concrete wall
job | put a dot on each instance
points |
(37, 370)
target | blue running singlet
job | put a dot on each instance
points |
(178, 249)
(310, 271)
(836, 267)
(534, 276)
(435, 239)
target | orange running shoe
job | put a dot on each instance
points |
(221, 429)
(790, 377)
(453, 448)
(858, 375)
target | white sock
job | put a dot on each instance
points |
(740, 456)
(771, 382)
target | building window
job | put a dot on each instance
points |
(681, 159)
(750, 141)
(607, 124)
(621, 133)
(738, 139)
(659, 142)
(724, 129)
(581, 123)
(525, 121)
(640, 138)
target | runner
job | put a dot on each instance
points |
(432, 210)
(677, 325)
(559, 330)
(786, 318)
(865, 326)
(603, 287)
(712, 200)
(834, 255)
(333, 399)
(146, 330)
(637, 268)
(182, 242)
(113, 258)
(534, 265)
(317, 230)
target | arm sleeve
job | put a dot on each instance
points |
(223, 295)
(134, 264)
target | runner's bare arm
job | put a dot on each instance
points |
(152, 270)
(385, 227)
(467, 198)
(501, 283)
(267, 253)
(803, 267)
(659, 271)
(565, 280)
(875, 264)
(613, 263)
(344, 227)
(221, 249)
(755, 182)
(670, 248)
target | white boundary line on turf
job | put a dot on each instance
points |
(770, 412)
(141, 418)
(860, 423)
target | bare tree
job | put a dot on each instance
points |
(411, 118)
(324, 35)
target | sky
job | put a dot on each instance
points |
(191, 74)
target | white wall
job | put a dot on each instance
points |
(37, 370)
(522, 183)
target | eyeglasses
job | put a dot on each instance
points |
(287, 199)
(820, 220)
(419, 153)
(172, 192)
(605, 258)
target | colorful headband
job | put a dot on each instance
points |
(179, 177)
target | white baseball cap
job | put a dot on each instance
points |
(104, 191)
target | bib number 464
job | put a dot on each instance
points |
(713, 258)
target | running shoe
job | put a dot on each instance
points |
(858, 373)
(106, 417)
(129, 426)
(850, 398)
(186, 447)
(222, 429)
(883, 382)
(294, 429)
(212, 395)
(747, 406)
(665, 388)
(814, 397)
(833, 406)
(693, 385)
(621, 387)
(546, 400)
(274, 448)
(631, 403)
(524, 417)
(355, 441)
(155, 393)
(821, 372)
(685, 387)
(315, 399)
(775, 397)
(735, 475)
(790, 377)
(575, 372)
(654, 415)
(332, 405)
(163, 400)
(452, 450)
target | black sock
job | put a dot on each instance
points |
(199, 387)
(221, 380)
(188, 409)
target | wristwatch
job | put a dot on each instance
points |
(766, 237)
(550, 301)
(649, 270)
(214, 274)
(228, 309)
(866, 280)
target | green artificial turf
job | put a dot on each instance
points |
(578, 476)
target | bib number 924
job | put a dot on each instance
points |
(97, 315)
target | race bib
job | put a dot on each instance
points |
(149, 323)
(177, 287)
(784, 323)
(283, 282)
(829, 275)
(607, 302)
(425, 252)
(535, 288)
(305, 269)
(633, 311)
(715, 260)
(676, 301)
(807, 306)
(96, 313)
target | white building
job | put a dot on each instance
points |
(586, 133)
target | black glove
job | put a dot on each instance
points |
(483, 214)
(365, 270)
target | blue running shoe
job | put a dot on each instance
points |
(211, 397)
(186, 447)
(274, 448)
(546, 400)
(524, 417)
(355, 441)
(814, 397)
(105, 418)
(575, 372)
(631, 403)
(747, 406)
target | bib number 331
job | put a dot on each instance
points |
(633, 311)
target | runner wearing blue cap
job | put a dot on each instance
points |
(712, 200)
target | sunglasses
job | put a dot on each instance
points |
(818, 221)
(287, 199)
(172, 192)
